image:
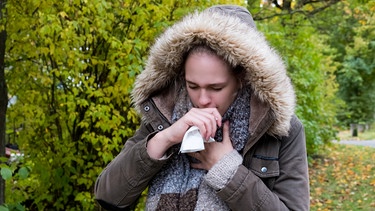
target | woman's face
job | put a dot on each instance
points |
(210, 82)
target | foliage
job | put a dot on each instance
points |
(18, 180)
(284, 9)
(69, 73)
(71, 66)
(357, 76)
(3, 95)
(328, 48)
(342, 178)
(311, 68)
(350, 26)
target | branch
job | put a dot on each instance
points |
(285, 11)
(330, 3)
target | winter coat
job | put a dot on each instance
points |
(274, 173)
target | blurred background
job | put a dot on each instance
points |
(67, 68)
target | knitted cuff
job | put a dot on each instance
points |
(218, 176)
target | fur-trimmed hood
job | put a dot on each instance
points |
(231, 32)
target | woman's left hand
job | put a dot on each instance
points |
(213, 152)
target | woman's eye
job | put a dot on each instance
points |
(217, 88)
(193, 87)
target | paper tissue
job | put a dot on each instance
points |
(193, 141)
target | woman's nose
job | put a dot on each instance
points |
(204, 98)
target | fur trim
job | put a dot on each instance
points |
(236, 42)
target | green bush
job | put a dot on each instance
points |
(70, 68)
(311, 68)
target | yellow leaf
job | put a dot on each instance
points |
(63, 14)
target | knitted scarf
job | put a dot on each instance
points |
(176, 186)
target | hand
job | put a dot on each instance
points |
(213, 152)
(206, 119)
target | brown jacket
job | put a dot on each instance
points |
(274, 174)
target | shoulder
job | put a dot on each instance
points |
(296, 131)
(296, 137)
(295, 124)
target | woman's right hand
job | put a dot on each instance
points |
(206, 119)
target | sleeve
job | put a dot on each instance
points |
(218, 176)
(127, 176)
(291, 187)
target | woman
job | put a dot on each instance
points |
(215, 71)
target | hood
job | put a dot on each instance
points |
(231, 32)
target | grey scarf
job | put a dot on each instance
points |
(176, 186)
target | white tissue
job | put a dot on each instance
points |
(193, 141)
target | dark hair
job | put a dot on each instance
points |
(200, 49)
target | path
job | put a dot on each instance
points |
(369, 143)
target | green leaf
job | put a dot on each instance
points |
(19, 207)
(23, 172)
(3, 208)
(6, 173)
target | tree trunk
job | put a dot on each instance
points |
(3, 99)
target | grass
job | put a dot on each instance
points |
(343, 178)
(366, 135)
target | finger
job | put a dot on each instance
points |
(213, 125)
(228, 145)
(226, 137)
(217, 117)
(205, 120)
(216, 121)
(198, 118)
(197, 166)
(194, 154)
(204, 123)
